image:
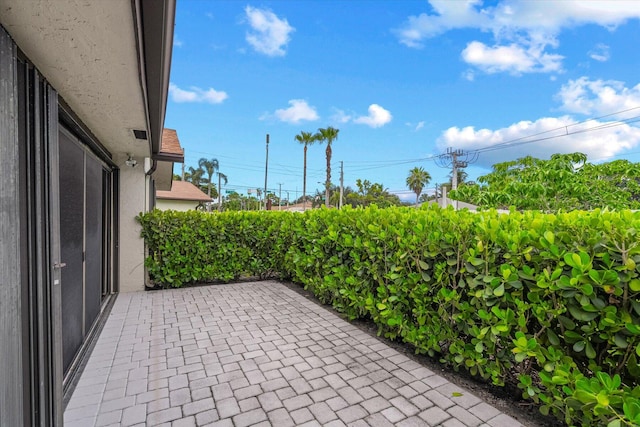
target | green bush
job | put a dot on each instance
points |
(552, 300)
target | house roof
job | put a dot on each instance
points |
(170, 152)
(170, 149)
(183, 190)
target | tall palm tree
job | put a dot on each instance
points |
(306, 138)
(416, 181)
(221, 177)
(209, 166)
(327, 135)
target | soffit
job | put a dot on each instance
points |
(87, 50)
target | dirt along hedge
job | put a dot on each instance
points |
(552, 301)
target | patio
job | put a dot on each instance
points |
(256, 354)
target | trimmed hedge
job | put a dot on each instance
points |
(551, 300)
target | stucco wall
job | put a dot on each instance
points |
(133, 200)
(176, 205)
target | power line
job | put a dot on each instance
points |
(525, 139)
(397, 163)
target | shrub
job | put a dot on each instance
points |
(550, 299)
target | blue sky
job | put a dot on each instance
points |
(403, 81)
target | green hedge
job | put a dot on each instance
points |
(551, 300)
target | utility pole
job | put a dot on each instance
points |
(280, 196)
(455, 159)
(266, 168)
(341, 182)
(183, 171)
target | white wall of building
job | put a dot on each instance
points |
(176, 205)
(134, 196)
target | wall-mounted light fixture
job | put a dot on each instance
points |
(131, 161)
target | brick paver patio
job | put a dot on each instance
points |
(256, 354)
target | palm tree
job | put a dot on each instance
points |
(259, 194)
(221, 177)
(209, 166)
(416, 181)
(194, 176)
(327, 135)
(306, 138)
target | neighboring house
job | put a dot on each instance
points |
(183, 196)
(83, 92)
(177, 195)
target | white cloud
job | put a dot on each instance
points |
(523, 30)
(448, 15)
(177, 42)
(195, 94)
(546, 136)
(270, 34)
(598, 97)
(600, 52)
(469, 75)
(340, 116)
(377, 117)
(513, 58)
(415, 127)
(513, 16)
(298, 111)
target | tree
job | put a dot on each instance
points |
(209, 166)
(221, 177)
(372, 193)
(462, 179)
(327, 135)
(335, 194)
(259, 194)
(317, 200)
(418, 178)
(424, 198)
(564, 182)
(196, 177)
(306, 138)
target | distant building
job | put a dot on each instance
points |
(183, 196)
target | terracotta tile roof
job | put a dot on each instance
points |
(170, 143)
(182, 190)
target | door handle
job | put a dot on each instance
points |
(58, 266)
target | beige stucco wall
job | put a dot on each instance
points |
(176, 205)
(134, 196)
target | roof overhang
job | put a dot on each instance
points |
(163, 175)
(170, 152)
(108, 60)
(156, 21)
